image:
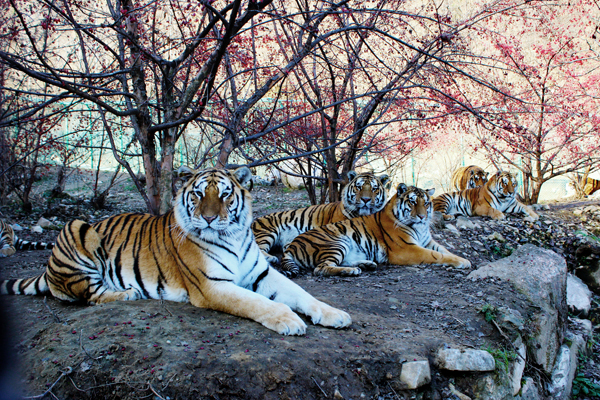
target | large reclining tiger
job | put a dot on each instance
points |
(398, 234)
(365, 194)
(203, 252)
(496, 197)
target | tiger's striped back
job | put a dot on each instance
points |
(468, 178)
(10, 243)
(496, 197)
(398, 234)
(365, 194)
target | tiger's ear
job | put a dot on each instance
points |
(402, 188)
(351, 175)
(243, 175)
(184, 173)
(385, 181)
(430, 191)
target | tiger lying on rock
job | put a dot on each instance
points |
(365, 194)
(398, 234)
(203, 252)
(496, 197)
(10, 243)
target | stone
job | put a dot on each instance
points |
(17, 227)
(579, 296)
(541, 275)
(464, 360)
(588, 254)
(496, 236)
(453, 229)
(577, 212)
(529, 391)
(415, 374)
(44, 223)
(489, 387)
(37, 229)
(464, 223)
(559, 381)
(518, 365)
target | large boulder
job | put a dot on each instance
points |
(541, 275)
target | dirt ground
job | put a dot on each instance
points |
(149, 349)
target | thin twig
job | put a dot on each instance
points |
(155, 392)
(395, 394)
(319, 386)
(83, 348)
(62, 373)
(174, 375)
(56, 319)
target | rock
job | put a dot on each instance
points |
(453, 229)
(577, 212)
(518, 365)
(489, 387)
(44, 223)
(541, 275)
(415, 374)
(560, 374)
(511, 319)
(17, 227)
(529, 391)
(464, 223)
(464, 360)
(496, 236)
(337, 395)
(37, 229)
(579, 296)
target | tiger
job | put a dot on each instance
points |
(591, 185)
(496, 197)
(398, 234)
(365, 194)
(202, 251)
(468, 178)
(10, 243)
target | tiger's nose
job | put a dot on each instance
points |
(209, 219)
(366, 200)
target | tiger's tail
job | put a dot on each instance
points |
(21, 244)
(29, 286)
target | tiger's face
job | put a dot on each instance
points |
(503, 184)
(412, 205)
(214, 202)
(477, 178)
(365, 194)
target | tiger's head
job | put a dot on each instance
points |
(477, 177)
(365, 194)
(214, 202)
(503, 184)
(411, 205)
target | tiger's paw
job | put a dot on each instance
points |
(462, 263)
(284, 321)
(326, 315)
(448, 217)
(270, 259)
(351, 271)
(132, 294)
(366, 265)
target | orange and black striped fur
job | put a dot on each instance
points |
(203, 252)
(10, 243)
(468, 178)
(365, 194)
(398, 234)
(496, 197)
(590, 186)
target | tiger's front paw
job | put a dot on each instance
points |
(448, 217)
(284, 321)
(366, 265)
(326, 315)
(462, 263)
(270, 259)
(132, 294)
